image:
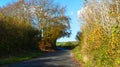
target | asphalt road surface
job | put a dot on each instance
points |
(61, 58)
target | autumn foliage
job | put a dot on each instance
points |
(15, 35)
(100, 43)
(30, 24)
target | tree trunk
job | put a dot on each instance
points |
(54, 44)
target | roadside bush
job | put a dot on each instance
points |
(15, 35)
(100, 45)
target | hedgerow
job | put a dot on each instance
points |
(100, 46)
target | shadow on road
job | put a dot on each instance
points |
(60, 58)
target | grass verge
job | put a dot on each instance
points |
(14, 59)
(77, 55)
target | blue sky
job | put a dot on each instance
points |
(4, 2)
(72, 7)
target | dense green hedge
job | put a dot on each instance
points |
(16, 35)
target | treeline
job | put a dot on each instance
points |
(31, 24)
(100, 36)
(67, 45)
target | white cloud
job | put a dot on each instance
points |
(82, 11)
(78, 13)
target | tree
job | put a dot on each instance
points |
(78, 36)
(51, 21)
(44, 15)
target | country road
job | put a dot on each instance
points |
(61, 58)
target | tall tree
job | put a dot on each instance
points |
(51, 18)
(46, 16)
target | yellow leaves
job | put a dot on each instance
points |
(117, 61)
(101, 33)
(113, 14)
